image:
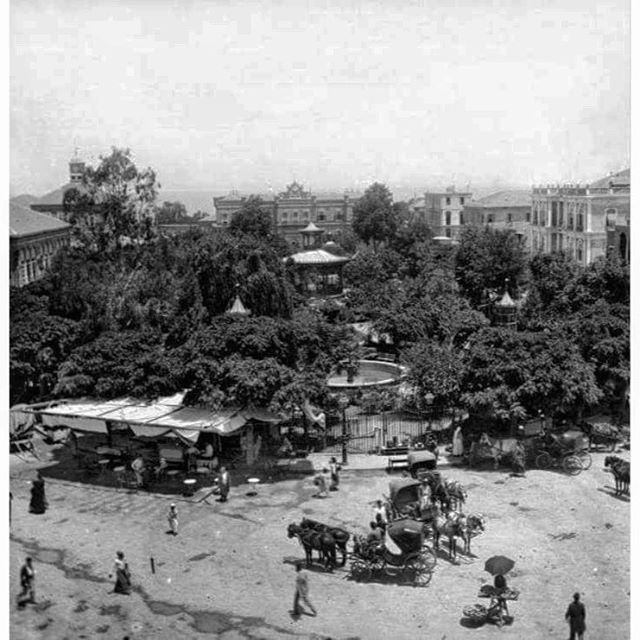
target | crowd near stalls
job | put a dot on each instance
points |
(152, 443)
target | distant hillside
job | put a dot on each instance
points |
(24, 200)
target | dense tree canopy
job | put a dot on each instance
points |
(374, 219)
(486, 258)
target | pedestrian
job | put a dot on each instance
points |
(302, 591)
(122, 575)
(38, 502)
(27, 582)
(381, 511)
(375, 534)
(334, 468)
(138, 468)
(321, 482)
(173, 519)
(224, 483)
(575, 616)
(458, 445)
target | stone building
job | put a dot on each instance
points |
(443, 211)
(293, 209)
(34, 239)
(577, 219)
(500, 210)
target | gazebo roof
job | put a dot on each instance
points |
(506, 301)
(317, 256)
(311, 228)
(238, 309)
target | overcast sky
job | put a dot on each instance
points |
(248, 95)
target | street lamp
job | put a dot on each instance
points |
(343, 403)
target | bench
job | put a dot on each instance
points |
(396, 462)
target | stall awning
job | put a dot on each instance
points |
(153, 419)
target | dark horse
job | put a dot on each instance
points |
(340, 536)
(319, 540)
(439, 490)
(621, 470)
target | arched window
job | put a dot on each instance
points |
(610, 218)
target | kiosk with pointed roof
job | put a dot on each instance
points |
(238, 309)
(505, 310)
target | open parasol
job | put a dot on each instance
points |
(499, 565)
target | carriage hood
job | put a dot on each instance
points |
(407, 534)
(403, 491)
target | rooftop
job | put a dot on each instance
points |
(516, 198)
(317, 256)
(25, 222)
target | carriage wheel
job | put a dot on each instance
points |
(429, 557)
(585, 458)
(572, 465)
(543, 460)
(612, 445)
(360, 569)
(420, 574)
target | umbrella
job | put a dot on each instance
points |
(498, 565)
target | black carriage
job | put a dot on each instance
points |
(421, 460)
(414, 562)
(602, 434)
(568, 450)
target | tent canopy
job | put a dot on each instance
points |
(165, 416)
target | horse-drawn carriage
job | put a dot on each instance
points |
(414, 562)
(602, 434)
(325, 539)
(568, 450)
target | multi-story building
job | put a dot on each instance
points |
(576, 219)
(443, 211)
(293, 210)
(34, 239)
(500, 210)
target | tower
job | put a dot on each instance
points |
(76, 168)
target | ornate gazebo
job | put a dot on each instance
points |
(317, 272)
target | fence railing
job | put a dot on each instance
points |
(370, 432)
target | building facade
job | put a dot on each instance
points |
(500, 210)
(577, 219)
(443, 211)
(292, 210)
(34, 239)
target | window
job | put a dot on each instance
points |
(528, 216)
(570, 220)
(448, 201)
(489, 218)
(579, 250)
(284, 216)
(447, 217)
(461, 200)
(447, 232)
(461, 218)
(294, 216)
(509, 217)
(321, 216)
(554, 214)
(579, 222)
(610, 218)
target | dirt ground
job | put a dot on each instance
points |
(229, 573)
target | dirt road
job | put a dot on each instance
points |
(229, 574)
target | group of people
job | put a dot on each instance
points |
(334, 479)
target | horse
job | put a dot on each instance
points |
(471, 525)
(449, 528)
(621, 470)
(456, 492)
(310, 539)
(438, 489)
(340, 536)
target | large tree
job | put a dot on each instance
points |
(510, 375)
(485, 259)
(116, 201)
(374, 219)
(253, 218)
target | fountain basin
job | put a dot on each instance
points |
(371, 373)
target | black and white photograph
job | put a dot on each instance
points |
(319, 320)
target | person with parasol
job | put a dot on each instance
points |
(498, 566)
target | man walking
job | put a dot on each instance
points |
(302, 591)
(576, 616)
(224, 484)
(173, 519)
(27, 582)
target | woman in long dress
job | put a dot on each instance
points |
(458, 446)
(38, 502)
(122, 575)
